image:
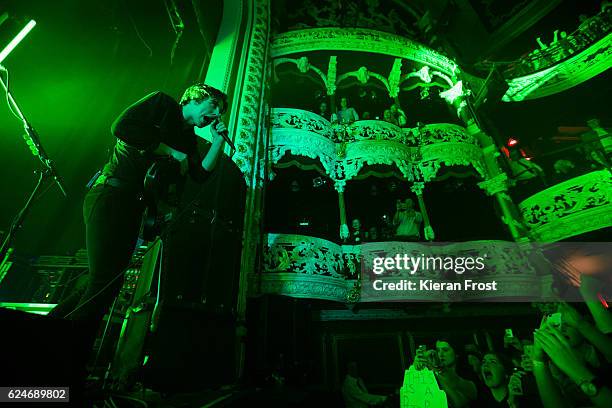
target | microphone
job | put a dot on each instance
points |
(225, 135)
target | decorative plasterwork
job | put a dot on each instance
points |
(250, 104)
(384, 16)
(360, 39)
(308, 267)
(303, 143)
(331, 75)
(453, 93)
(304, 255)
(303, 286)
(495, 185)
(450, 154)
(363, 75)
(343, 150)
(302, 64)
(571, 208)
(443, 133)
(285, 118)
(373, 152)
(395, 78)
(392, 83)
(568, 73)
(426, 77)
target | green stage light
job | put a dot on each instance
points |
(11, 46)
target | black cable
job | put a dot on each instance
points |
(15, 221)
(8, 102)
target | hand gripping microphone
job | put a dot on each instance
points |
(224, 134)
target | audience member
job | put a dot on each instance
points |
(407, 221)
(565, 358)
(459, 391)
(323, 111)
(473, 357)
(388, 117)
(356, 232)
(398, 115)
(346, 114)
(496, 369)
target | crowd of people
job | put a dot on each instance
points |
(348, 114)
(565, 362)
(563, 44)
(406, 225)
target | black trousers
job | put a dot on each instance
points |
(112, 218)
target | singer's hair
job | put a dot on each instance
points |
(201, 92)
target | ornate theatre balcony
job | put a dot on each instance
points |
(343, 150)
(307, 267)
(573, 59)
(570, 208)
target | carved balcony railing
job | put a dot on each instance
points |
(308, 267)
(566, 74)
(571, 208)
(343, 150)
(590, 31)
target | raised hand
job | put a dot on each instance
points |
(515, 384)
(556, 346)
(537, 353)
(569, 315)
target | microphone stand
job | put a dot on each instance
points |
(48, 172)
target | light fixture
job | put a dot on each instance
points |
(20, 36)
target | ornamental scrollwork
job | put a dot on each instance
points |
(303, 254)
(495, 184)
(453, 154)
(566, 74)
(302, 286)
(313, 146)
(343, 150)
(443, 133)
(302, 266)
(248, 133)
(356, 13)
(300, 119)
(417, 188)
(590, 192)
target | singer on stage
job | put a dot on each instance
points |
(152, 129)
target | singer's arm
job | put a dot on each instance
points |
(216, 149)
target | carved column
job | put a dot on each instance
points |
(344, 229)
(248, 121)
(417, 188)
(496, 182)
